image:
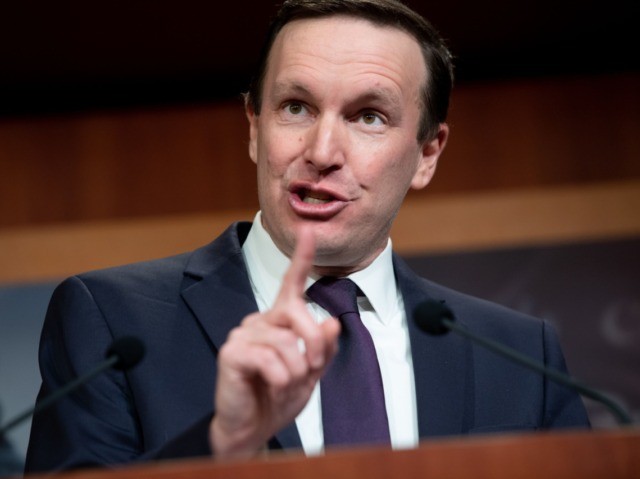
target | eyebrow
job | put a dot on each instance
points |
(384, 95)
(281, 89)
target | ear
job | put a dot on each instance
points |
(430, 152)
(253, 131)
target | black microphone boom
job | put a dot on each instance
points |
(435, 318)
(124, 353)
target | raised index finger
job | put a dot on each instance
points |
(294, 281)
(290, 300)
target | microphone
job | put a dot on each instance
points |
(123, 354)
(435, 318)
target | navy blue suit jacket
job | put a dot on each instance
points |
(183, 308)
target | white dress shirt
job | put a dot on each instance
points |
(382, 312)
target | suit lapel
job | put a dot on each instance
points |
(218, 292)
(441, 365)
(217, 287)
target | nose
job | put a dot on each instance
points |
(326, 143)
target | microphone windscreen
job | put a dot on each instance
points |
(429, 314)
(128, 350)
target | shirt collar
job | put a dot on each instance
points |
(378, 282)
(267, 266)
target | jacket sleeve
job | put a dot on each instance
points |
(98, 424)
(563, 406)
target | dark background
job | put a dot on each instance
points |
(76, 55)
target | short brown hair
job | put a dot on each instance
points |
(438, 59)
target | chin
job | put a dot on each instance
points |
(334, 254)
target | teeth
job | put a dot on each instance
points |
(315, 197)
(314, 201)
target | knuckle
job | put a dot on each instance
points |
(314, 336)
(251, 319)
(288, 340)
(226, 354)
(273, 369)
(235, 335)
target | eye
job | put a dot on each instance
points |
(294, 108)
(371, 118)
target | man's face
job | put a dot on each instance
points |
(335, 142)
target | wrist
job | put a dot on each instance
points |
(233, 444)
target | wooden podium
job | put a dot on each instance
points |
(608, 455)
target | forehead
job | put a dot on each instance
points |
(346, 47)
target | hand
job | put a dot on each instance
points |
(264, 378)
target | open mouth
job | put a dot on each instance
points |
(320, 204)
(315, 197)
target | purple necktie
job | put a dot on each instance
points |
(353, 409)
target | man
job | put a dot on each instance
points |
(346, 114)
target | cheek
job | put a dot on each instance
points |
(388, 171)
(277, 155)
(269, 168)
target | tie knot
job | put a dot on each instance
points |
(337, 295)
